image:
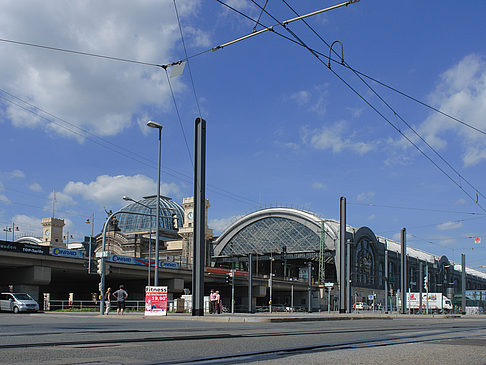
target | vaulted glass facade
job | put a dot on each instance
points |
(142, 222)
(271, 234)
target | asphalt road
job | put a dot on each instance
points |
(62, 338)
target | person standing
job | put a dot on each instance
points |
(212, 302)
(121, 295)
(218, 302)
(108, 295)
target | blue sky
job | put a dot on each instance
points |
(282, 129)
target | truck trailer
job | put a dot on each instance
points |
(437, 302)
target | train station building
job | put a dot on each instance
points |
(293, 253)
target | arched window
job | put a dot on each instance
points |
(365, 262)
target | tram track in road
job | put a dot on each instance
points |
(280, 353)
(224, 334)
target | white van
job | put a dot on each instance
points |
(18, 302)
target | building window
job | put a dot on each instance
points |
(365, 263)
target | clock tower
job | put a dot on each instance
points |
(52, 232)
(187, 230)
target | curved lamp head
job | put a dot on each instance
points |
(152, 124)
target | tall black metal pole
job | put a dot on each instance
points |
(421, 285)
(348, 276)
(403, 270)
(386, 280)
(199, 243)
(250, 283)
(342, 255)
(309, 287)
(463, 283)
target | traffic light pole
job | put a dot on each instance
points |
(232, 291)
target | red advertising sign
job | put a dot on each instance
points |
(155, 300)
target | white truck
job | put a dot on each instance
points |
(436, 302)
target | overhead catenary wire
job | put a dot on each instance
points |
(123, 151)
(394, 111)
(374, 108)
(338, 62)
(112, 58)
(187, 58)
(259, 16)
(414, 208)
(179, 117)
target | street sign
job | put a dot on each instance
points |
(477, 239)
(101, 254)
(328, 285)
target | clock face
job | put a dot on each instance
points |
(189, 215)
(47, 232)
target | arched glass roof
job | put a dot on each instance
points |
(270, 234)
(143, 223)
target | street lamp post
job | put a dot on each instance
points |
(104, 253)
(90, 241)
(157, 223)
(150, 235)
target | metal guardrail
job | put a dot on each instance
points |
(137, 305)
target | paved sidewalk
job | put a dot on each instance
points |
(270, 317)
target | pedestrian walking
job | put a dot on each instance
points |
(212, 302)
(108, 295)
(121, 295)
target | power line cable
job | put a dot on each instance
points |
(261, 12)
(355, 70)
(187, 58)
(374, 108)
(414, 208)
(389, 106)
(122, 150)
(179, 117)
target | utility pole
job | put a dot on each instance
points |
(386, 279)
(403, 270)
(199, 218)
(250, 283)
(342, 255)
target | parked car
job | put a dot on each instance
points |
(18, 302)
(361, 306)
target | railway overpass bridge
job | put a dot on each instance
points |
(39, 269)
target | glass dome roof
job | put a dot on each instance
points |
(129, 223)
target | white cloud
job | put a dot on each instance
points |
(219, 225)
(449, 225)
(461, 92)
(301, 97)
(313, 101)
(461, 201)
(318, 185)
(15, 174)
(335, 138)
(292, 145)
(372, 217)
(35, 187)
(28, 225)
(60, 201)
(365, 196)
(4, 199)
(106, 190)
(102, 96)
